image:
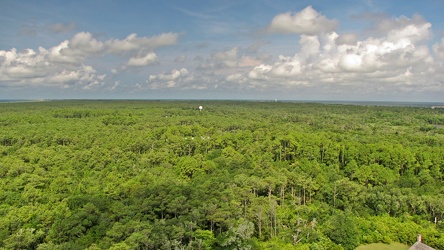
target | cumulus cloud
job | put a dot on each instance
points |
(308, 21)
(236, 78)
(415, 29)
(22, 65)
(135, 43)
(220, 60)
(260, 72)
(438, 48)
(227, 67)
(179, 79)
(393, 55)
(229, 58)
(83, 45)
(168, 80)
(172, 76)
(139, 61)
(65, 64)
(76, 50)
(248, 61)
(84, 75)
(348, 38)
(35, 68)
(399, 55)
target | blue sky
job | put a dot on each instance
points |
(293, 50)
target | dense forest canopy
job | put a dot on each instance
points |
(234, 175)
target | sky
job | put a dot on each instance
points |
(353, 50)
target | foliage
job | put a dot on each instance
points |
(236, 175)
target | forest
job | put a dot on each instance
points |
(146, 174)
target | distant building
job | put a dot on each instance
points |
(420, 246)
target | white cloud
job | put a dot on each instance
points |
(226, 61)
(308, 21)
(286, 67)
(220, 60)
(309, 46)
(349, 39)
(179, 79)
(22, 65)
(36, 69)
(176, 78)
(65, 64)
(85, 43)
(248, 61)
(76, 50)
(438, 48)
(236, 78)
(135, 43)
(395, 53)
(85, 75)
(228, 58)
(140, 61)
(57, 55)
(414, 29)
(260, 72)
(174, 75)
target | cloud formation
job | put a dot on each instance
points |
(438, 48)
(308, 22)
(175, 79)
(65, 65)
(38, 69)
(76, 50)
(135, 43)
(397, 60)
(394, 54)
(400, 56)
(139, 61)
